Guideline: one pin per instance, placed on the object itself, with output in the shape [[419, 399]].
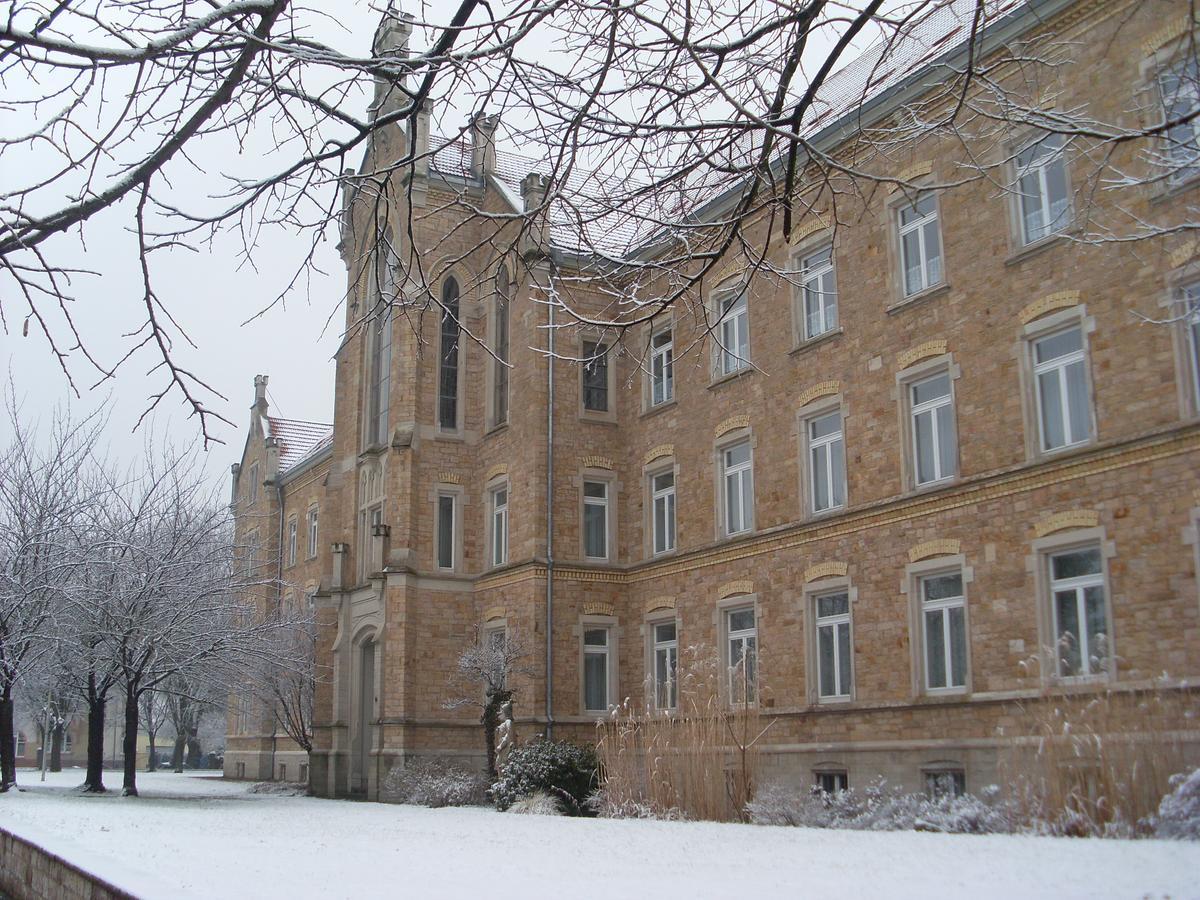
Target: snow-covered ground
[[199, 836]]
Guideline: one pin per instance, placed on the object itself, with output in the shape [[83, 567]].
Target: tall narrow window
[[446, 527], [833, 646], [734, 332], [595, 519], [499, 526], [820, 293], [595, 669], [662, 367], [666, 655], [1042, 188], [495, 639], [1080, 616], [742, 639], [595, 376], [448, 364], [252, 484], [944, 619], [920, 245], [1180, 85], [738, 488], [379, 370], [827, 461], [935, 446], [20, 744], [662, 498], [500, 348], [313, 517], [292, 540], [1191, 299], [1059, 367]]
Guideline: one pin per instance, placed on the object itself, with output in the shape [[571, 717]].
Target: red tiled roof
[[298, 440]]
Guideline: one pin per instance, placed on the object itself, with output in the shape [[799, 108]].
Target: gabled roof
[[299, 441]]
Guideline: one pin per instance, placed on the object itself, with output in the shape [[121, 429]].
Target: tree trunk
[[56, 748], [491, 718], [8, 741], [129, 745], [193, 750], [177, 754], [94, 782], [152, 763]]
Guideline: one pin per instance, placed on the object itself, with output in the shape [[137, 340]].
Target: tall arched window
[[500, 324], [448, 366], [379, 345]]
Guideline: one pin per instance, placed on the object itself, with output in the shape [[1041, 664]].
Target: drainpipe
[[550, 513], [278, 604]]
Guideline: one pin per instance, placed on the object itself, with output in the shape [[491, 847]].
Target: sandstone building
[[940, 472]]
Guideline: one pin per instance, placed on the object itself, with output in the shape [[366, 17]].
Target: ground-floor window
[[945, 782], [831, 781]]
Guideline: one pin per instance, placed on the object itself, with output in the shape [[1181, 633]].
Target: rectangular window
[[944, 624], [595, 669], [445, 531], [831, 782], [833, 646], [1080, 614], [1191, 298], [662, 498], [920, 245], [495, 639], [595, 377], [945, 783], [738, 488], [742, 635], [1060, 373], [292, 541], [827, 462], [666, 654], [820, 293], [734, 333], [20, 744], [500, 322], [499, 526], [595, 519], [312, 532], [662, 367], [1180, 86], [448, 362], [935, 446], [1042, 188]]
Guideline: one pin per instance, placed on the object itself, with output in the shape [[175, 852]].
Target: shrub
[[1179, 813], [430, 783], [538, 804], [561, 769]]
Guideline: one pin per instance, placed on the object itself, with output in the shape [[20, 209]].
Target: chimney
[[260, 394], [391, 40], [235, 470], [534, 187], [420, 141], [483, 145]]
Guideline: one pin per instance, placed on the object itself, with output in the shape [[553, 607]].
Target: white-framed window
[[920, 244], [935, 444], [595, 377], [1080, 612], [20, 744], [313, 530], [818, 289], [665, 660], [68, 742], [370, 515], [831, 781], [662, 367], [595, 519], [733, 331], [292, 541], [834, 654], [500, 341], [499, 514], [1190, 311], [662, 511], [944, 782], [741, 642], [826, 461], [1061, 389], [944, 631], [1180, 90], [1043, 193], [737, 484], [596, 668], [448, 357], [447, 528]]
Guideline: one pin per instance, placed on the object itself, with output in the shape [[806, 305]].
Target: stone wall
[[27, 872]]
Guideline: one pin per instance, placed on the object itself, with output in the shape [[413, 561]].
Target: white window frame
[[605, 651], [1180, 172], [919, 226], [912, 585], [1078, 584], [1038, 564], [836, 622], [662, 367], [931, 408], [732, 331], [810, 275], [943, 607], [744, 473], [670, 647], [839, 775], [293, 540], [604, 504], [498, 530], [668, 497], [1039, 166], [314, 519], [824, 445], [590, 358], [1059, 364], [743, 638]]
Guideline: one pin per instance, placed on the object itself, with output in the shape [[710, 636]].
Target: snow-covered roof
[[299, 441], [595, 212]]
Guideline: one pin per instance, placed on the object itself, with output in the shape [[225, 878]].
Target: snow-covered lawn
[[199, 836]]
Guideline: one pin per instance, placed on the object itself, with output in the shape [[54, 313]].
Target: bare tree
[[153, 715], [188, 700], [484, 679], [287, 684], [671, 140]]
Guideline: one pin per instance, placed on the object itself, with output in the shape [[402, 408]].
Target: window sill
[[722, 380], [1061, 452], [597, 418], [661, 407], [1037, 248], [816, 341], [1172, 190], [912, 300], [452, 437], [810, 516], [373, 451], [495, 429], [931, 486], [663, 556]]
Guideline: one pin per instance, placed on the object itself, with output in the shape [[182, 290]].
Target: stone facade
[[394, 616]]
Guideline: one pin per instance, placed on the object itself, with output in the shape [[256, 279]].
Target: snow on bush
[[605, 804], [280, 788], [878, 808], [538, 804], [431, 783], [559, 768], [1179, 813]]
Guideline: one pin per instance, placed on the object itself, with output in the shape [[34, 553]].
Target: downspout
[[278, 604], [550, 510]]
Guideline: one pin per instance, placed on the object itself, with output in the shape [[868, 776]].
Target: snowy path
[[196, 836]]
